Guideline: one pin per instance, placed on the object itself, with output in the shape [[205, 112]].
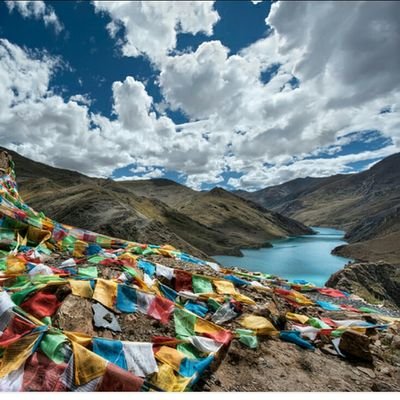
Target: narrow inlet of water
[[301, 257]]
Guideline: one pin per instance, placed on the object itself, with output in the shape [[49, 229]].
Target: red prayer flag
[[15, 330], [331, 292], [43, 375], [183, 281], [41, 305], [161, 309], [117, 379], [222, 336]]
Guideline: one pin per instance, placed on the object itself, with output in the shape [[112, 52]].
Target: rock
[[355, 345], [387, 339], [385, 371], [328, 350], [383, 387], [367, 371], [395, 342], [68, 317], [374, 282]]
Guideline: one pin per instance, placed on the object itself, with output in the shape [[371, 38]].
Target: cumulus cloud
[[274, 121], [142, 173], [42, 125], [38, 10], [262, 176], [335, 70], [203, 82], [151, 27], [81, 99]]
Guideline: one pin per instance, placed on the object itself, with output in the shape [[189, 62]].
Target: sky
[[237, 94]]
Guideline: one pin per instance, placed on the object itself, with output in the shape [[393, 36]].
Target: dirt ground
[[284, 367]]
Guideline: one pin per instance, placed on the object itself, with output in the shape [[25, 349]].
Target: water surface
[[301, 257]]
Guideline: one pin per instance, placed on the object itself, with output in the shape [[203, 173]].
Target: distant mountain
[[365, 204], [240, 220], [155, 211]]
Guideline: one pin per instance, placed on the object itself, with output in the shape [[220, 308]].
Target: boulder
[[355, 345], [75, 314]]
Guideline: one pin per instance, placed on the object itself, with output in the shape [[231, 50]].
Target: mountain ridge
[[120, 209], [365, 204]]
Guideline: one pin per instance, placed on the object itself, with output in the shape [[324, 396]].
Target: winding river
[[301, 257]]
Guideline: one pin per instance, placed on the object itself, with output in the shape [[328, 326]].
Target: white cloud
[[151, 27], [344, 56], [147, 173], [42, 125], [261, 176], [81, 99], [270, 123], [132, 104], [38, 10], [207, 82]]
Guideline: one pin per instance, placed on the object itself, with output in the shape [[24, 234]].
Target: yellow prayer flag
[[81, 288], [170, 356], [224, 287], [258, 324], [129, 257], [243, 299], [166, 380], [79, 249], [87, 365], [204, 326], [105, 292], [81, 338], [17, 353], [37, 235], [14, 265], [297, 317], [301, 299]]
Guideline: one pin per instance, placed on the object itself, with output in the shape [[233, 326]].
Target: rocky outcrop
[[374, 282]]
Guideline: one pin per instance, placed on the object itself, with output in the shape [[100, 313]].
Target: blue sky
[[231, 94]]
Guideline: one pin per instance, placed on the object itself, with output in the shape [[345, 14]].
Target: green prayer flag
[[19, 297], [19, 282], [44, 279], [213, 304], [317, 323], [184, 323], [47, 320], [337, 333], [136, 250], [130, 271], [201, 285], [52, 346], [88, 272], [7, 234], [367, 310], [147, 252], [96, 259], [248, 338], [43, 249], [189, 350]]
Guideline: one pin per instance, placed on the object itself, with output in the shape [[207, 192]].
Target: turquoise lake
[[301, 257]]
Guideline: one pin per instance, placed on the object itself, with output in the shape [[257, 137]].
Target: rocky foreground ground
[[81, 311], [370, 360]]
